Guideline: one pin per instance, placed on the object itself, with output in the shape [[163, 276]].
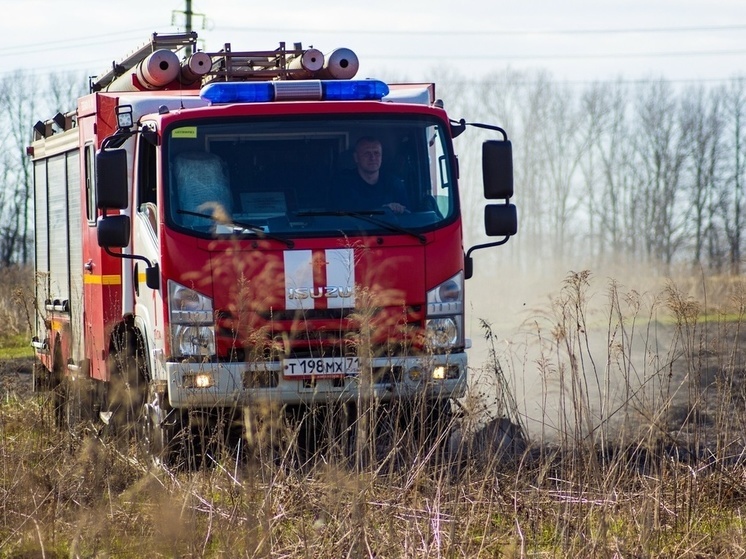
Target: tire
[[125, 400], [128, 386], [59, 390], [427, 422], [41, 378], [60, 404], [73, 404], [160, 431]]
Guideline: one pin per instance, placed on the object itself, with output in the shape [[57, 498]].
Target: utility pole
[[188, 17], [188, 14]]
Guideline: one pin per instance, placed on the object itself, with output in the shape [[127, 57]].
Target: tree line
[[647, 171], [26, 99]]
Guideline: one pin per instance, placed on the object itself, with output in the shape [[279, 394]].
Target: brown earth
[[708, 386], [16, 377], [698, 395]]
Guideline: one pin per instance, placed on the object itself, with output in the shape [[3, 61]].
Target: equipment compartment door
[[102, 276]]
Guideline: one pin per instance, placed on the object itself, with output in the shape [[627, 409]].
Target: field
[[614, 429]]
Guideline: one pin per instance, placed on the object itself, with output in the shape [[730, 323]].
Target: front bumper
[[242, 384]]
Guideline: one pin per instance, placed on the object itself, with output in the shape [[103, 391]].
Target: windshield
[[309, 176]]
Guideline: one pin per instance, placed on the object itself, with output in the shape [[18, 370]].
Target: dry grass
[[638, 453]]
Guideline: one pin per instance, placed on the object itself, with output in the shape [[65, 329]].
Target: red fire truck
[[198, 248]]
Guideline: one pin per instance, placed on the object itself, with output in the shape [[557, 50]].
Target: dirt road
[[626, 363], [16, 376]]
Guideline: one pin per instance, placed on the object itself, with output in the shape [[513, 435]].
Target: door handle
[[136, 280]]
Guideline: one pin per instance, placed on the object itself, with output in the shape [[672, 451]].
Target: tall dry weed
[[638, 452]]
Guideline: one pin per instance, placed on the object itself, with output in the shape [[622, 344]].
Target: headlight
[[193, 341], [443, 333], [445, 314], [447, 298], [192, 322]]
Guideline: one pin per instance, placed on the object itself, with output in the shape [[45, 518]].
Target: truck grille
[[317, 333]]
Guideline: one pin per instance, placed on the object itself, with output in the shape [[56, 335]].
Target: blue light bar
[[238, 92], [295, 90], [353, 90]]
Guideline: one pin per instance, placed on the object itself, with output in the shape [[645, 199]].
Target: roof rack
[[228, 65], [281, 63], [171, 41]]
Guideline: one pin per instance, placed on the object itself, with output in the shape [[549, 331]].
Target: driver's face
[[368, 156]]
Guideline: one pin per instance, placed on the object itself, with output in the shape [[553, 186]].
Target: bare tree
[[17, 186], [660, 156], [523, 100], [564, 143], [702, 127], [63, 91], [732, 204], [606, 171]]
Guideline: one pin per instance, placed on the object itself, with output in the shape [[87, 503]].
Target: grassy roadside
[[659, 472], [16, 347], [74, 495]]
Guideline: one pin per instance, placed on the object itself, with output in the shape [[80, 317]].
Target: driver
[[367, 187]]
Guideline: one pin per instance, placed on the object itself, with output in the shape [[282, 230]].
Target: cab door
[[146, 231]]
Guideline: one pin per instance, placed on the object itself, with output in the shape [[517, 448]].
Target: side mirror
[[111, 179], [497, 169], [113, 231], [500, 220], [468, 266], [153, 277]]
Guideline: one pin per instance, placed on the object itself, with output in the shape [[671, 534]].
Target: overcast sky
[[575, 40]]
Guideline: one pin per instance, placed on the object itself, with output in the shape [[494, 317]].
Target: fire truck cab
[[205, 239]]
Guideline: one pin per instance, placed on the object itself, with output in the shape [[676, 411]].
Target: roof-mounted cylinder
[[194, 67], [307, 64], [340, 64], [157, 70]]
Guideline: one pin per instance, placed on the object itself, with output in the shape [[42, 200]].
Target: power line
[[84, 66], [589, 56], [492, 82], [78, 42], [475, 56], [93, 40], [471, 32]]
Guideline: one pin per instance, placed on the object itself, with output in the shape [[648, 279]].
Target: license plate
[[321, 367]]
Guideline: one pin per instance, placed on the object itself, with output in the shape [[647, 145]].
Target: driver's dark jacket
[[353, 193]]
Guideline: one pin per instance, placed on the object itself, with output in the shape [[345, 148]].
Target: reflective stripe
[[102, 280], [340, 273], [298, 273]]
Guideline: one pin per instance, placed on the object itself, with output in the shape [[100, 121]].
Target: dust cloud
[[580, 354]]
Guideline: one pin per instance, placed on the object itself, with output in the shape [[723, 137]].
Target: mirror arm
[[458, 126], [487, 245], [130, 256], [468, 261], [151, 272]]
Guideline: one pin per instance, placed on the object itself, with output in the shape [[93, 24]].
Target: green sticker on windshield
[[189, 132]]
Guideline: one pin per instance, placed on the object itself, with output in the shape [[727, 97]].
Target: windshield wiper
[[366, 215], [256, 229]]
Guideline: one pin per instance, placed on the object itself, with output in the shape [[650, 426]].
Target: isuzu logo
[[319, 278], [326, 291]]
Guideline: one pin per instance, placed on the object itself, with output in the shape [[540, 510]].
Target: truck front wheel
[[160, 429], [128, 383]]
